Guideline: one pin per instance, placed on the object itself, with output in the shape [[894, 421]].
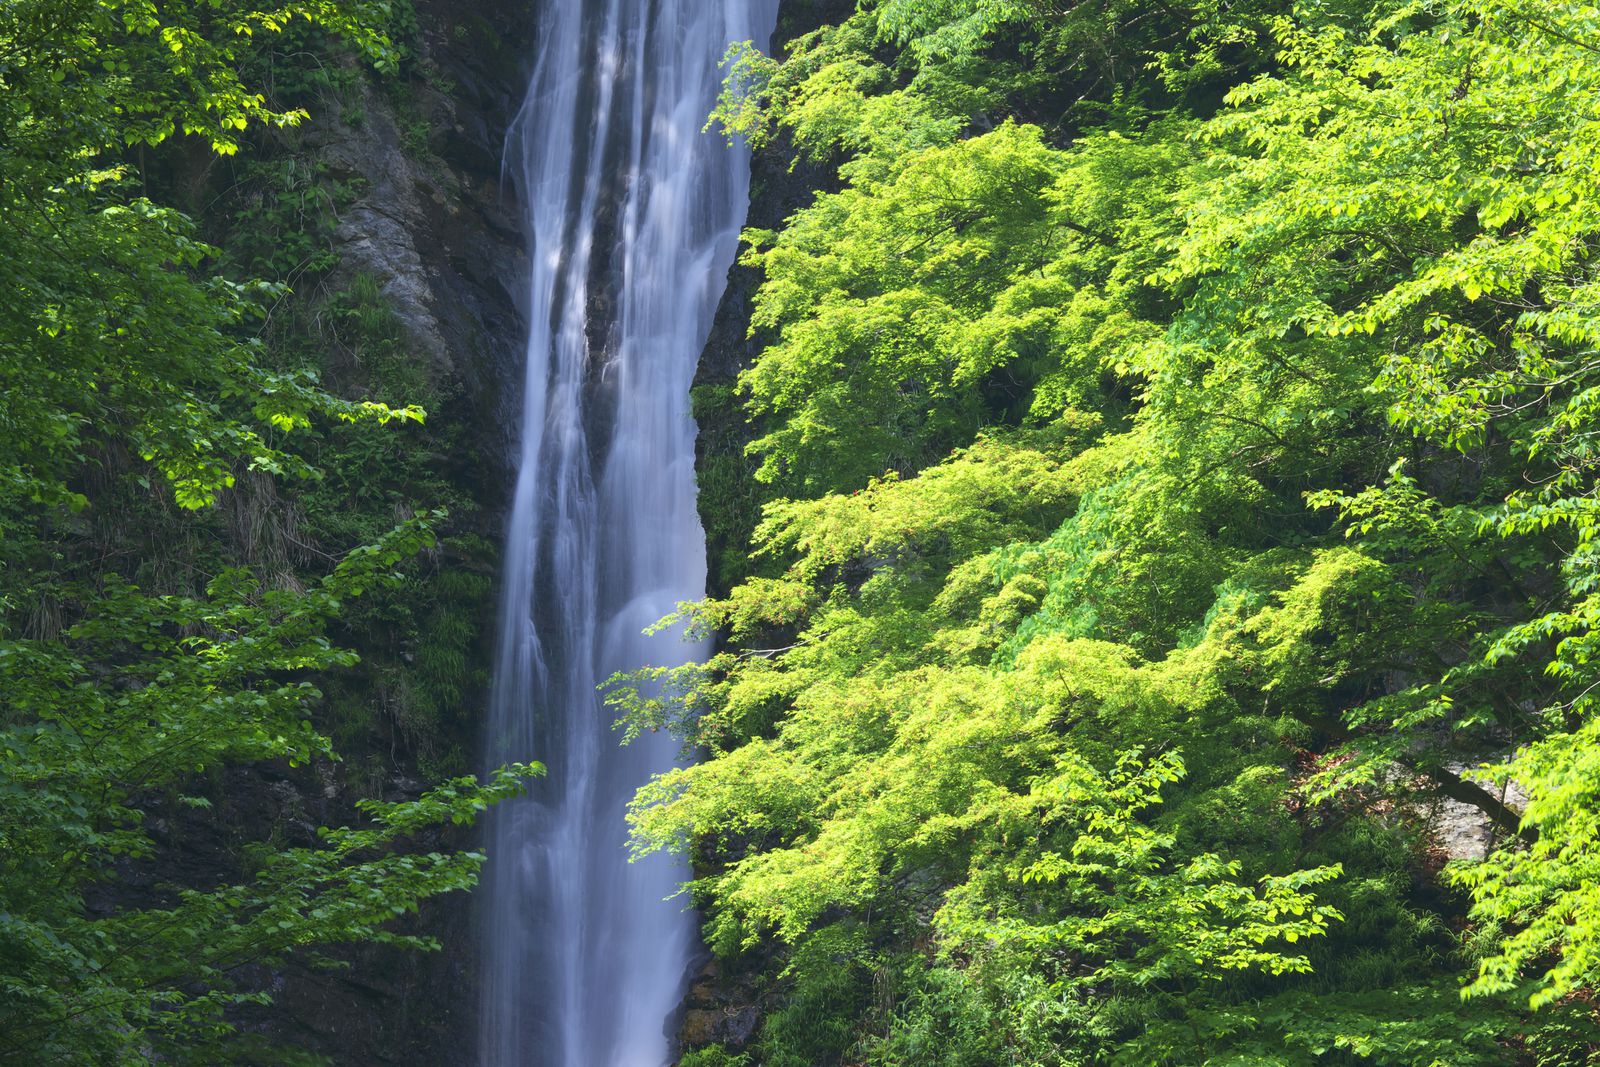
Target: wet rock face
[[780, 185], [433, 222], [374, 1004], [1464, 832], [721, 1009]]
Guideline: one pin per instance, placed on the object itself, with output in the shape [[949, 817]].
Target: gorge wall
[[386, 214]]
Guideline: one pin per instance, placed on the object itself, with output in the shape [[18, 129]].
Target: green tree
[[1240, 407], [126, 358]]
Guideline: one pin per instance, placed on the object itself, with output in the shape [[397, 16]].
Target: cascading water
[[633, 218]]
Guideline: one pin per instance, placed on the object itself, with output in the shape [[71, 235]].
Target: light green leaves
[[1320, 512]]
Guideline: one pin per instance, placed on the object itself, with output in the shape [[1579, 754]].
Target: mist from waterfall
[[633, 216]]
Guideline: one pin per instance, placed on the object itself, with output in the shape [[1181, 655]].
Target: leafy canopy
[[1179, 486]]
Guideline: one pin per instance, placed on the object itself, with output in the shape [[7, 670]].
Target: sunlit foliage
[[1179, 488]]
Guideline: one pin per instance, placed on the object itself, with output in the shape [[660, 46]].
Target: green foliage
[[1542, 898], [1234, 405], [111, 331], [946, 237], [136, 699], [713, 1057], [144, 409], [283, 227]]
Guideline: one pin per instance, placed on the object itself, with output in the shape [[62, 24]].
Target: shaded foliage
[[142, 397]]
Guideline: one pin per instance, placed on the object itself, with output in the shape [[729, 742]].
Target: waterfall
[[633, 217]]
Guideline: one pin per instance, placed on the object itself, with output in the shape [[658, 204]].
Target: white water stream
[[633, 217]]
